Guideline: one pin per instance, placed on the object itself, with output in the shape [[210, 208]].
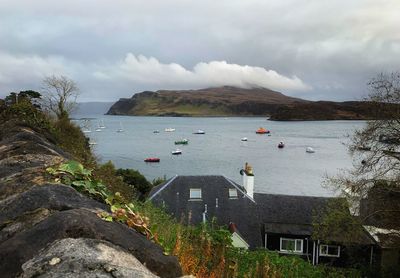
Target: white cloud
[[140, 70], [19, 72], [323, 42], [111, 80]]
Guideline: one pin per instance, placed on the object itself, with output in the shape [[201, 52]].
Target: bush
[[107, 173], [136, 180], [25, 113], [70, 138]]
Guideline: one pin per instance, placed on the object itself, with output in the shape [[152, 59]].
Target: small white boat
[[102, 125], [120, 128], [310, 150], [177, 151], [244, 139], [91, 143], [199, 132], [86, 131], [169, 129], [98, 129]]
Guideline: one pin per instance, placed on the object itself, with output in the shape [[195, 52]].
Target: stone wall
[[51, 230]]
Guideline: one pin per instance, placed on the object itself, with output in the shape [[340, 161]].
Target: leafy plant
[[74, 174]]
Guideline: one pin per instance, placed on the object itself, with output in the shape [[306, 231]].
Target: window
[[195, 193], [329, 250], [291, 245], [233, 193]]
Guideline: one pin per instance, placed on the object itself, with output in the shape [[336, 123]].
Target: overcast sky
[[315, 49]]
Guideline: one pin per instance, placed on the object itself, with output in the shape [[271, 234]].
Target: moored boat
[[152, 159], [120, 128], [310, 150], [262, 130], [244, 139], [177, 151], [182, 142], [156, 131], [281, 145], [102, 124], [169, 129], [199, 132]]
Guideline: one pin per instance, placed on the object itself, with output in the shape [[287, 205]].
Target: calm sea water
[[221, 152]]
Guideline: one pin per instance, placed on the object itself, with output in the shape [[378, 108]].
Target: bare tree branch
[[60, 95]]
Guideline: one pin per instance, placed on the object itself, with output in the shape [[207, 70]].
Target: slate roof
[[174, 195], [289, 209]]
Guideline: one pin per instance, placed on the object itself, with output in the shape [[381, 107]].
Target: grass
[[158, 106]]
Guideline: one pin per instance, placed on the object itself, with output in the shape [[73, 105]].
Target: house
[[276, 222], [195, 199], [380, 213]]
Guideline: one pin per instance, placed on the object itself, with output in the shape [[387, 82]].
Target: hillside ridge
[[234, 101]]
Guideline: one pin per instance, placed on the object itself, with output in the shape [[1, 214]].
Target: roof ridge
[[163, 187], [238, 188], [288, 195]]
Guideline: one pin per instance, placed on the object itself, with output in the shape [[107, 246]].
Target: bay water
[[220, 150]]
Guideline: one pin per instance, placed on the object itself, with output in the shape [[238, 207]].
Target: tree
[[372, 187], [60, 95], [135, 179], [11, 98]]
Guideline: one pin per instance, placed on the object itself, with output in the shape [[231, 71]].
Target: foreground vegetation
[[203, 251]]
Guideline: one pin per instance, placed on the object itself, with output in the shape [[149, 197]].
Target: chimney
[[248, 179]]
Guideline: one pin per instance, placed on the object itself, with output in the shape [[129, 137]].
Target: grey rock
[[81, 223], [84, 258], [50, 196]]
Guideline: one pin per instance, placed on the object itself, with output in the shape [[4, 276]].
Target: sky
[[313, 49]]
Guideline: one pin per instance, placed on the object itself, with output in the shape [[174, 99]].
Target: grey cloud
[[332, 46]]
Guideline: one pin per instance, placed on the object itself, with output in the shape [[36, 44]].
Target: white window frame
[[233, 196], [295, 245], [327, 249], [195, 190]]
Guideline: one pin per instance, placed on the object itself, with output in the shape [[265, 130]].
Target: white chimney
[[248, 179]]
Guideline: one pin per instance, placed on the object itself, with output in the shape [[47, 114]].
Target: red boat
[[152, 159]]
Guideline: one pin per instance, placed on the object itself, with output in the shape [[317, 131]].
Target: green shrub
[[136, 180], [25, 113], [70, 138], [108, 174]]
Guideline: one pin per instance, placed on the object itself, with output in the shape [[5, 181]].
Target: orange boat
[[262, 130]]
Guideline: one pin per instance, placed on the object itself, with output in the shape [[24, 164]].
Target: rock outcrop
[[84, 258], [51, 230]]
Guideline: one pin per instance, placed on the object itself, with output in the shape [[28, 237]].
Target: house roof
[[289, 209], [271, 213], [174, 195], [386, 238], [290, 214], [290, 229]]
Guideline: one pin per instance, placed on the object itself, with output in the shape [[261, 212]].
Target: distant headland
[[232, 101]]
